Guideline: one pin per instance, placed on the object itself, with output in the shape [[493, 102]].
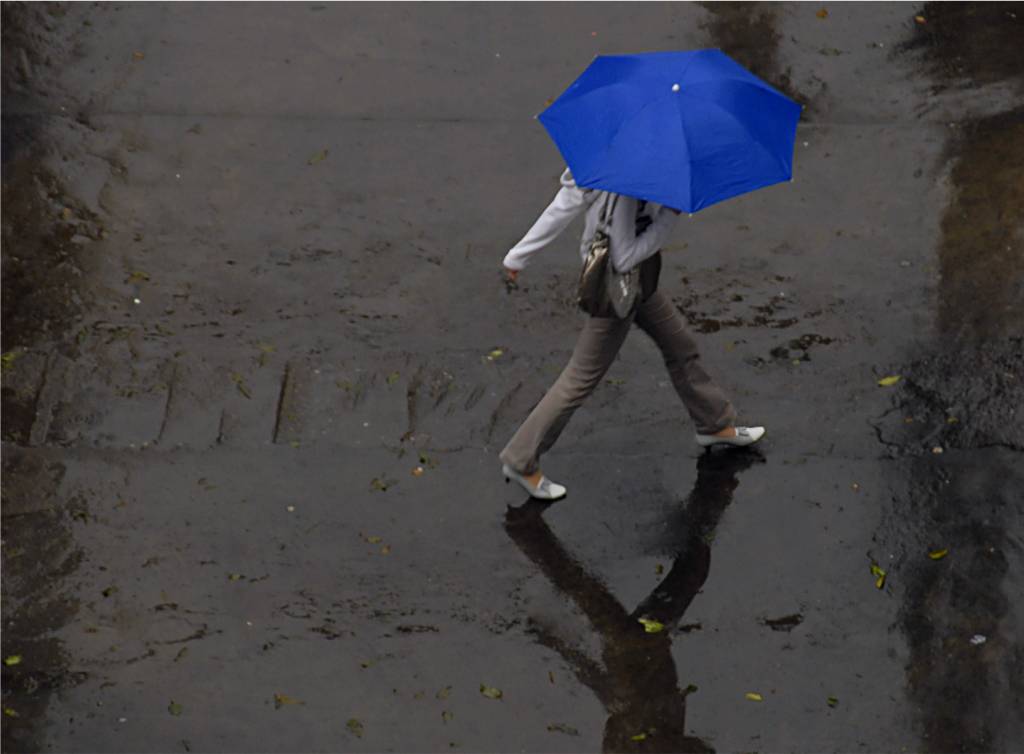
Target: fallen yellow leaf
[[753, 696], [651, 626], [8, 359], [938, 554], [876, 571], [490, 692], [889, 381]]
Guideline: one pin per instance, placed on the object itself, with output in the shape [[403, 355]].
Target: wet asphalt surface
[[253, 394]]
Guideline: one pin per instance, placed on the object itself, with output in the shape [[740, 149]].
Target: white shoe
[[744, 436], [546, 490]]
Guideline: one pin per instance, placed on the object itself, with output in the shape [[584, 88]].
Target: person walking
[[636, 230]]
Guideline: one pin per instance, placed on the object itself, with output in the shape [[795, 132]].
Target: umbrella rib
[[741, 124], [622, 123], [686, 143]]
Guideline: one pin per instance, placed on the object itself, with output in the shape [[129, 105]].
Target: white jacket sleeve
[[629, 249], [568, 204]]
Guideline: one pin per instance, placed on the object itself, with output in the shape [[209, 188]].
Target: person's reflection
[[637, 684]]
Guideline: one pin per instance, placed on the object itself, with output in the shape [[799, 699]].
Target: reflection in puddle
[[636, 679]]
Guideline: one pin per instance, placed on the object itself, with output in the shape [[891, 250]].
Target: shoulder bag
[[603, 292]]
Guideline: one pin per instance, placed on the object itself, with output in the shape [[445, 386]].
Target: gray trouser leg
[[598, 344], [707, 405]]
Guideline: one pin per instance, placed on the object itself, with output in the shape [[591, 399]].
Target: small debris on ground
[[490, 692], [355, 727], [877, 572]]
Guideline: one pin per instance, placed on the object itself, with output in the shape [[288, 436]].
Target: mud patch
[[980, 42], [799, 349], [43, 236], [961, 624], [713, 310], [39, 556], [956, 423], [956, 414], [981, 256], [745, 31], [966, 398], [44, 231]]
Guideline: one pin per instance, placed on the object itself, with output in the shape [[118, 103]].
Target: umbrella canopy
[[683, 129]]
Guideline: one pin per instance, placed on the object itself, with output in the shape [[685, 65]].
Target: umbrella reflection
[[636, 680]]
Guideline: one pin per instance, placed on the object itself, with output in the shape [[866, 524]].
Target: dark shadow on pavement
[[638, 683]]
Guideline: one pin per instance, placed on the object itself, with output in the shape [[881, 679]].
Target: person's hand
[[510, 277]]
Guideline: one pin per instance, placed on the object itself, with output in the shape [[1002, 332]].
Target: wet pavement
[[258, 363]]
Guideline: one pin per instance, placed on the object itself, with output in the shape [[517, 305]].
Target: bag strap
[[605, 219]]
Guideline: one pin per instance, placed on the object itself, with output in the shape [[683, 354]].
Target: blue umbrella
[[683, 129]]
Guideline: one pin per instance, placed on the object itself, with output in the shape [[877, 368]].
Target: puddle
[[636, 679]]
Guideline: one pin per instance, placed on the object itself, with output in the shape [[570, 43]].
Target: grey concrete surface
[[252, 394]]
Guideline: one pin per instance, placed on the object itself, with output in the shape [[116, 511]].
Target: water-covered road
[[259, 360]]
